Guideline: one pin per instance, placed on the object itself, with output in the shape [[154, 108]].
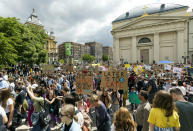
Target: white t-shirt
[[9, 102], [80, 118], [5, 77], [4, 84], [2, 111]]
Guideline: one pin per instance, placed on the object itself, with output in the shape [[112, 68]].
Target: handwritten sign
[[167, 67], [114, 79], [177, 70], [84, 80]]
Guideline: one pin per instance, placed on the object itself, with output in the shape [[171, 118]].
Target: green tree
[[8, 55], [105, 58], [61, 61], [38, 40], [10, 39], [21, 43], [88, 58]]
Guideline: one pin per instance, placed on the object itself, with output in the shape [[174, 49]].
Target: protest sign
[[84, 82], [177, 70], [147, 67], [114, 79], [127, 65], [167, 67]]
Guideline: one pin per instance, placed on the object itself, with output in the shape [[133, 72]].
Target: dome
[[151, 9]]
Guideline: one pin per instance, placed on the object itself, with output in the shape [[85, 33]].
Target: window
[[144, 40]]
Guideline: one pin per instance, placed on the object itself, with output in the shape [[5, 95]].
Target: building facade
[[52, 48], [77, 50], [107, 50], [51, 45], [96, 49], [154, 33]]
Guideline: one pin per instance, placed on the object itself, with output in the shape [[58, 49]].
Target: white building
[[153, 33]]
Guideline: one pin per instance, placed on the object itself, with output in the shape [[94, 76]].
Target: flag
[[68, 49]]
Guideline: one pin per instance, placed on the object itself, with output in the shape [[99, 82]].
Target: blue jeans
[[106, 126]]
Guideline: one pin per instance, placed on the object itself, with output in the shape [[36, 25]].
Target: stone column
[[134, 49], [180, 45], [116, 50], [156, 47]]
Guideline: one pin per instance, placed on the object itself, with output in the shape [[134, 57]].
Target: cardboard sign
[[48, 68], [114, 79], [84, 80]]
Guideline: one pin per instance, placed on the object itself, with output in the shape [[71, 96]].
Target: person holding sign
[[106, 99]]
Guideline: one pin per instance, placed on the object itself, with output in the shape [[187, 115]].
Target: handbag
[[2, 126], [44, 116]]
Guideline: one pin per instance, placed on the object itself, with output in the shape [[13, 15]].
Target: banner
[[114, 79], [68, 48], [84, 80]]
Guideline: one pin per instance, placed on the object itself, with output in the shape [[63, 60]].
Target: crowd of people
[[162, 101]]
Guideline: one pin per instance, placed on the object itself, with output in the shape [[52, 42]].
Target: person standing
[[103, 121], [69, 118], [123, 121], [152, 88], [163, 116], [185, 109], [8, 104], [38, 104], [142, 112]]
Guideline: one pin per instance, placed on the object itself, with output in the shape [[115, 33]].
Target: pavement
[[25, 127]]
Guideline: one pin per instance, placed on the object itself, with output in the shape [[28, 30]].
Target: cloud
[[76, 20]]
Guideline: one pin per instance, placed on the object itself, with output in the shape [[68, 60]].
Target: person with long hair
[[54, 106], [8, 104], [163, 116], [123, 121], [38, 104]]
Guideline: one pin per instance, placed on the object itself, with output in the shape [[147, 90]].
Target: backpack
[[2, 126], [44, 116]]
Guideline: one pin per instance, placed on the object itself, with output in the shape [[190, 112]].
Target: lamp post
[[185, 58]]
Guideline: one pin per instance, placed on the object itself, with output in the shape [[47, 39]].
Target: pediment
[[148, 21]]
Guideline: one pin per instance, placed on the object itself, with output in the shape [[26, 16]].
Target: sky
[[77, 20]]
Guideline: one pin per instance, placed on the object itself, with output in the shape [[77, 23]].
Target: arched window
[[144, 40]]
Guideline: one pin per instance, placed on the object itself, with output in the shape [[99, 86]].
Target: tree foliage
[[21, 43], [61, 61], [105, 58], [88, 58]]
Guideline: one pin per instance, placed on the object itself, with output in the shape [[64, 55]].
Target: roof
[[33, 19], [151, 9]]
